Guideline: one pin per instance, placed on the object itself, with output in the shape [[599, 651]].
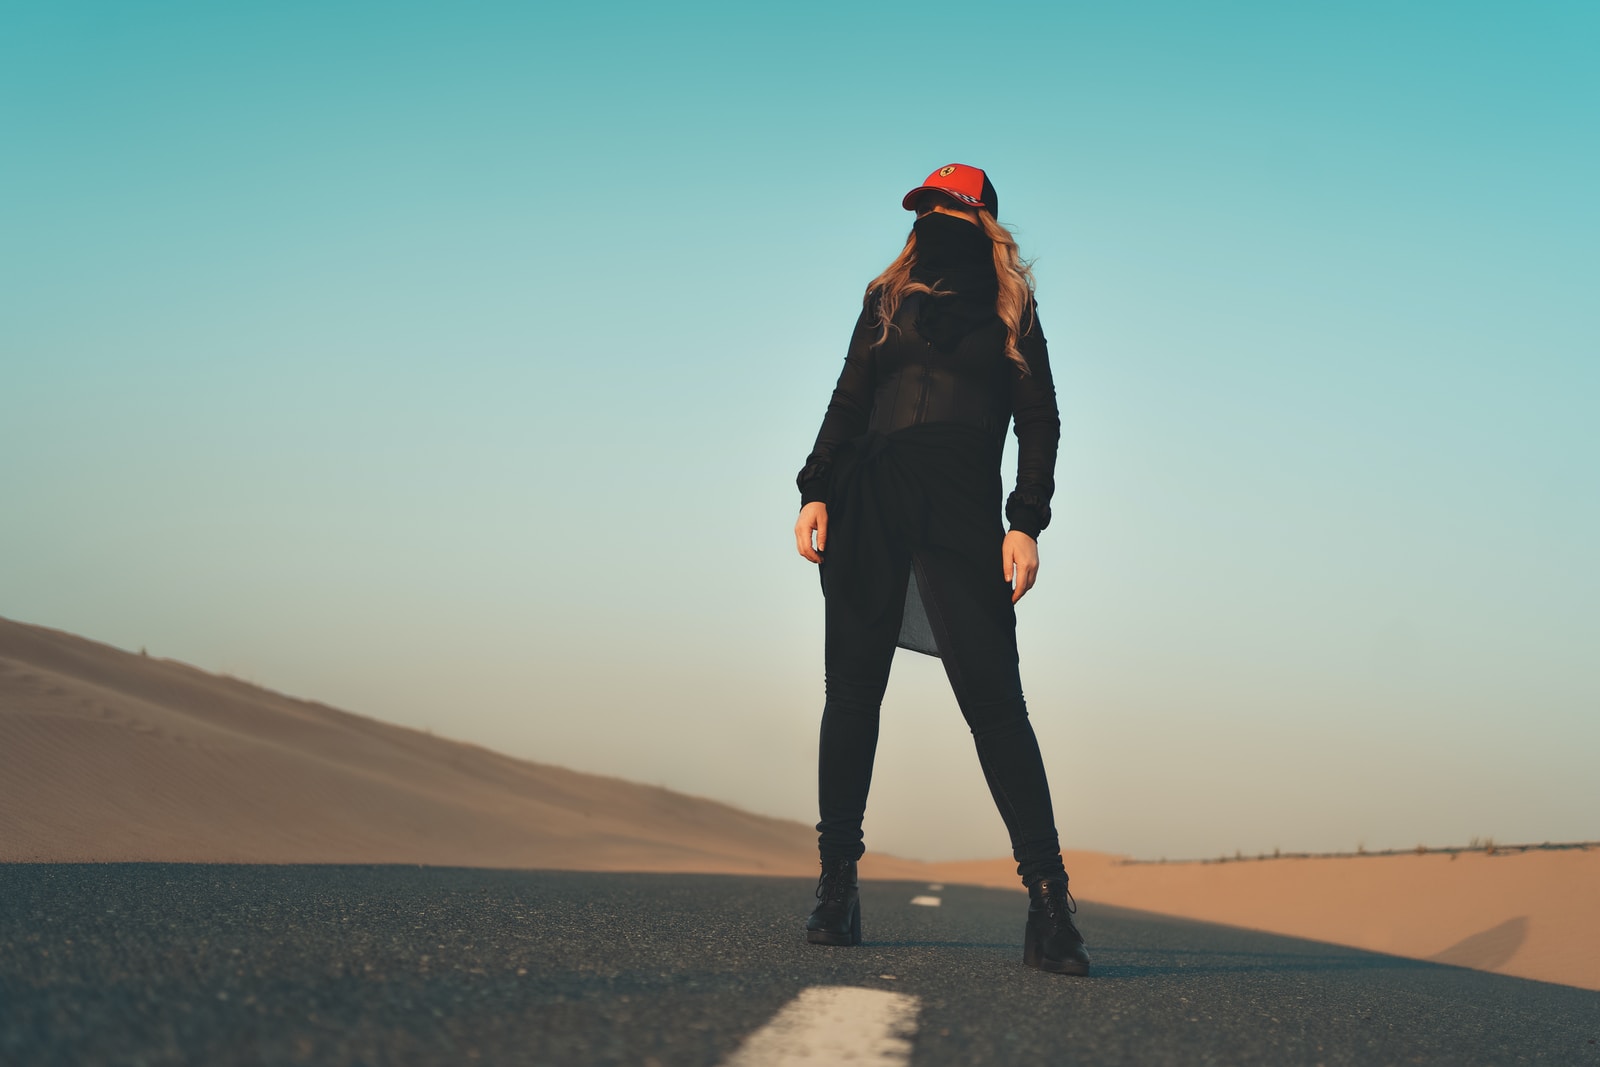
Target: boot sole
[[1064, 967], [825, 937]]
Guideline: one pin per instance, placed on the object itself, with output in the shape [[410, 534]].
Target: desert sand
[[107, 755], [1531, 914]]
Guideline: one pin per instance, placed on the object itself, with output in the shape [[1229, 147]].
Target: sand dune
[[107, 755], [1532, 914]]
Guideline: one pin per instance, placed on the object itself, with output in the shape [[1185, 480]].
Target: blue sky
[[452, 364]]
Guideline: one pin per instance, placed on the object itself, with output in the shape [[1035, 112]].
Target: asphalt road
[[159, 963]]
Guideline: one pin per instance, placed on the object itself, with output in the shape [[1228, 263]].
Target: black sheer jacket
[[910, 379]]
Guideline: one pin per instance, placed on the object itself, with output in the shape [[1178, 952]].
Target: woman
[[900, 507]]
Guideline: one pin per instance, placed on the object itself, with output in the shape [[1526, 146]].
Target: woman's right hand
[[813, 517]]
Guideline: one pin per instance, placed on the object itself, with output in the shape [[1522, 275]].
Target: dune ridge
[[108, 755]]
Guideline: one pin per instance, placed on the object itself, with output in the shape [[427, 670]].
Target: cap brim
[[908, 201]]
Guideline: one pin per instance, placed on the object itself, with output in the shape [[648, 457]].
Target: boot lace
[[834, 884], [1058, 899]]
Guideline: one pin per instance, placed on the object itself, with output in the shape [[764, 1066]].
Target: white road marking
[[926, 902], [834, 1025], [936, 886]]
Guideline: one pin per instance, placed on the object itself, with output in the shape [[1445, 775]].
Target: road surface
[[162, 963]]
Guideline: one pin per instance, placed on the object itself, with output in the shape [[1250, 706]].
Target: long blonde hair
[[1014, 273]]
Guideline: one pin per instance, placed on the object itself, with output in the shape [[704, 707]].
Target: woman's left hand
[[1019, 557]]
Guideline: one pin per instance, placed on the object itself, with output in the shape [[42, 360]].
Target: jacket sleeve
[[1036, 421], [848, 409]]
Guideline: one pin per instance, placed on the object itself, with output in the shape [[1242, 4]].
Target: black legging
[[974, 623]]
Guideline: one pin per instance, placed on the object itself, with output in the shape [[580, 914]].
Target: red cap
[[969, 185]]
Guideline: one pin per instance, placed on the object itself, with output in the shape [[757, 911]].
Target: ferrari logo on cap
[[946, 172]]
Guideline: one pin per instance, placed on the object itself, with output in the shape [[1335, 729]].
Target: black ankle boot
[[836, 920], [1051, 942]]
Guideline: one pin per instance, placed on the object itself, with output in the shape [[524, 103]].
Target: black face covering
[[954, 254]]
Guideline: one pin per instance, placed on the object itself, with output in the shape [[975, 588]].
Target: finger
[[822, 532], [1006, 563], [802, 542], [1024, 581]]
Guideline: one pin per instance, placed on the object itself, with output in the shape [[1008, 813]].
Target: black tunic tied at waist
[[929, 483]]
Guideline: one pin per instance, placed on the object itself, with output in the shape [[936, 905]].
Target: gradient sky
[[452, 364]]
